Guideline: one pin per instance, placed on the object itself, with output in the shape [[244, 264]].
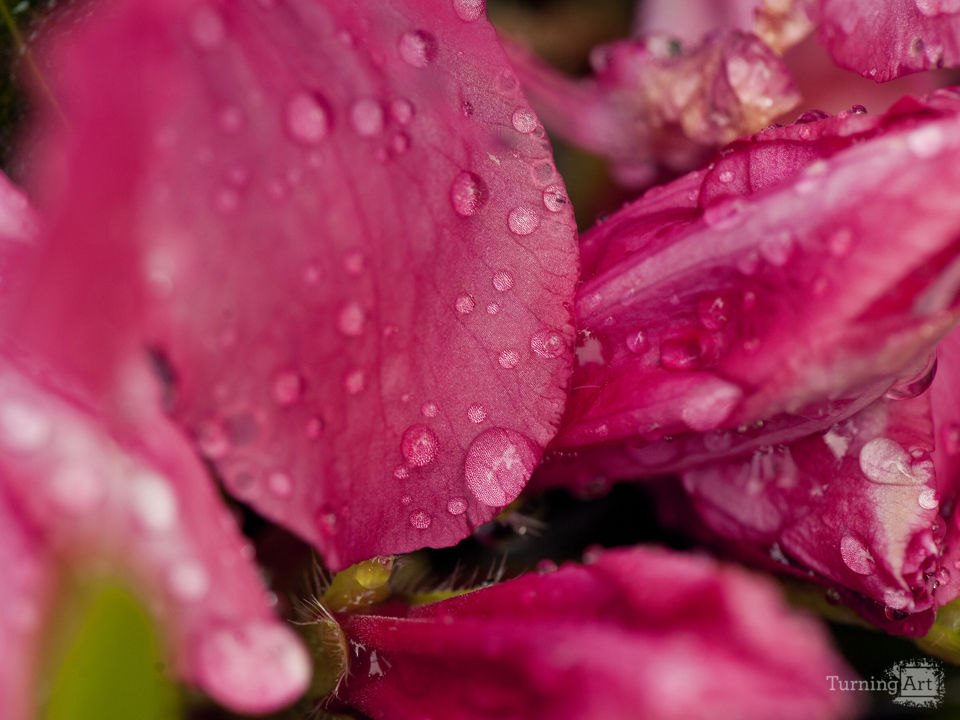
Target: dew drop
[[840, 241], [400, 143], [465, 304], [499, 462], [856, 556], [315, 427], [420, 520], [327, 521], [896, 599], [154, 503], [417, 48], [23, 428], [189, 581], [547, 344], [502, 281], [885, 461], [366, 116], [306, 118], [928, 499], [637, 342], [287, 388], [213, 441], [714, 312], [401, 110], [457, 506], [406, 499], [725, 177], [492, 308], [508, 359], [206, 28], [469, 10], [429, 409], [477, 413], [554, 198], [524, 121], [916, 384], [681, 353], [401, 472], [777, 248], [226, 201], [351, 319], [355, 382], [951, 439], [419, 445], [468, 193], [280, 484], [523, 220]]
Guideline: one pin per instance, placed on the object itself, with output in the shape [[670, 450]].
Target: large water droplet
[[417, 48], [306, 118], [419, 445], [477, 413], [554, 198], [351, 319], [469, 10], [856, 556], [465, 304], [547, 344], [468, 193], [917, 383], [499, 462], [508, 359], [885, 461], [429, 409], [523, 220], [366, 116], [928, 499], [401, 110], [287, 388], [524, 121], [420, 520]]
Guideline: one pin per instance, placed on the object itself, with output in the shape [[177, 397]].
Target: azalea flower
[[319, 252]]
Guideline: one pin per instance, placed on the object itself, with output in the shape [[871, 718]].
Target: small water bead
[[429, 409], [327, 521], [477, 413], [928, 499], [951, 439], [287, 388], [777, 248], [547, 344], [469, 10], [499, 462], [406, 499], [401, 110], [280, 484], [916, 384], [896, 599], [468, 193], [306, 118], [885, 461], [23, 428], [420, 520], [417, 48], [508, 359], [523, 220], [681, 353], [366, 116], [524, 121], [457, 506], [213, 440], [465, 304], [354, 263], [502, 281], [401, 472], [206, 28], [726, 176], [188, 580], [400, 143], [419, 445], [856, 556], [840, 242], [154, 502], [637, 342], [355, 382], [492, 308], [315, 427], [351, 320], [555, 198], [714, 311]]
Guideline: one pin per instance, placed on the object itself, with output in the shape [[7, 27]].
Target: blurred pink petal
[[340, 229], [810, 269], [148, 506], [651, 101], [640, 633], [884, 40]]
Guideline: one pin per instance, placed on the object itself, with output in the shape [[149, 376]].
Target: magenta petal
[[884, 40], [350, 244], [603, 640], [150, 507], [815, 272]]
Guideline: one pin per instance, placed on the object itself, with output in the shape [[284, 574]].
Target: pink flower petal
[[338, 226], [26, 594], [640, 633], [149, 506], [817, 270], [652, 102], [885, 40]]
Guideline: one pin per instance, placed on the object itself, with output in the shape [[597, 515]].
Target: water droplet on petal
[[401, 110], [523, 220], [777, 248], [355, 382], [420, 520], [554, 198], [468, 193], [681, 353], [23, 429], [406, 500], [499, 462], [492, 308], [280, 484], [502, 280], [154, 503], [725, 177], [287, 388], [926, 141], [188, 580], [896, 599], [419, 445], [917, 383], [465, 304], [206, 28], [840, 241], [885, 461], [547, 344], [477, 413], [429, 409], [400, 143], [315, 427], [524, 121], [714, 312], [710, 405], [401, 472], [469, 10], [457, 506], [928, 499], [508, 359], [856, 556], [637, 342], [351, 319], [366, 116], [306, 118], [417, 48]]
